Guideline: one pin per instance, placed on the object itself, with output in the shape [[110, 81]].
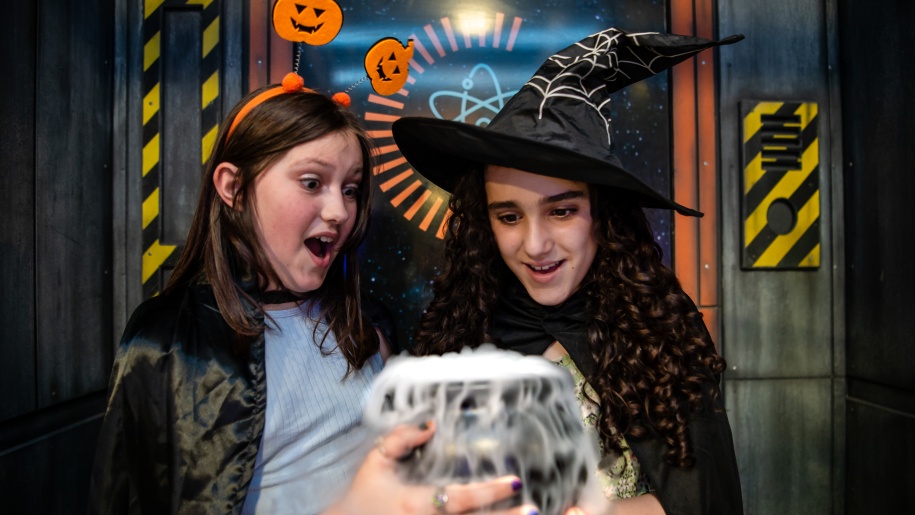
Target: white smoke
[[497, 412]]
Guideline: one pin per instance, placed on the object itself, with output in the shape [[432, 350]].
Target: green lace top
[[620, 475]]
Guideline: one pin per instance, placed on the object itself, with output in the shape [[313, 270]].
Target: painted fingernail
[[533, 512], [516, 485], [424, 425]]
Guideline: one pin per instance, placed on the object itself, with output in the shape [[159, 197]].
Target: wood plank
[[73, 199], [56, 477], [18, 29]]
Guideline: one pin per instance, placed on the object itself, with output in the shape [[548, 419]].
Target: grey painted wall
[[784, 385]]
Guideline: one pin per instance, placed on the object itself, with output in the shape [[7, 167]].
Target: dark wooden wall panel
[[71, 104], [877, 47], [180, 122], [17, 208], [50, 475], [73, 198], [884, 461], [877, 52]]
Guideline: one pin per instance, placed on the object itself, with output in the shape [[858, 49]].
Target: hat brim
[[444, 150]]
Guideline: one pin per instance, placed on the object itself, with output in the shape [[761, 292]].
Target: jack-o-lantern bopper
[[387, 64], [317, 22], [313, 22]]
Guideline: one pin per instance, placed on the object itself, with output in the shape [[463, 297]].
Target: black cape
[[185, 412], [711, 486]]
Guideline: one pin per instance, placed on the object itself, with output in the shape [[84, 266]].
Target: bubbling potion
[[497, 412]]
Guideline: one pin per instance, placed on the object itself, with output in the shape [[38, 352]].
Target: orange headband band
[[292, 83]]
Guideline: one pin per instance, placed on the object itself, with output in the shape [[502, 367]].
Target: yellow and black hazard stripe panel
[[159, 256], [781, 188]]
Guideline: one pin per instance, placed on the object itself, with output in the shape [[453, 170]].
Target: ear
[[225, 178]]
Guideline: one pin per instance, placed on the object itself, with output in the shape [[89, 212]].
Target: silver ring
[[440, 499]]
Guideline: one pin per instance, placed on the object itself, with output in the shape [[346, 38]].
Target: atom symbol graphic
[[472, 109]]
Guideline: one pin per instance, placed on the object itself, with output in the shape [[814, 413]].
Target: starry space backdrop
[[470, 82]]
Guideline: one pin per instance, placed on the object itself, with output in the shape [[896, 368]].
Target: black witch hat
[[558, 124]]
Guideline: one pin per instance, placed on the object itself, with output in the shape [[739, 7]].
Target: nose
[[334, 209], [538, 241]]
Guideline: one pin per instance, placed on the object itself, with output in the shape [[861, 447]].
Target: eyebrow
[[309, 160], [559, 197]]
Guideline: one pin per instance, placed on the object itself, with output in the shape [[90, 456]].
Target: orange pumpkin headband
[[292, 83]]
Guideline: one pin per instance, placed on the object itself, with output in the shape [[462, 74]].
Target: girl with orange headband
[[239, 389]]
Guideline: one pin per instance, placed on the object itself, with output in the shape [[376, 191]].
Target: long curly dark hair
[[654, 357]]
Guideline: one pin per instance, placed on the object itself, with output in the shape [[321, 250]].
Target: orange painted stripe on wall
[[686, 229]]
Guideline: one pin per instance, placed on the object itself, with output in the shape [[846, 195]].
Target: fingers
[[403, 439], [461, 498], [524, 509]]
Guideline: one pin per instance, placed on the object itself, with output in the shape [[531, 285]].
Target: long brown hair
[[654, 357], [222, 246]]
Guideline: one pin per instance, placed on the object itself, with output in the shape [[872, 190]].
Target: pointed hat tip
[[731, 39]]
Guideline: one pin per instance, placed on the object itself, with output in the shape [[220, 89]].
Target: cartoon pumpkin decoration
[[314, 22], [387, 64]]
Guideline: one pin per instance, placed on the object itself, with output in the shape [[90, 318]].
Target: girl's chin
[[304, 284], [549, 296]]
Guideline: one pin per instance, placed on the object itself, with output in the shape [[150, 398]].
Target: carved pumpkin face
[[314, 22], [387, 63]]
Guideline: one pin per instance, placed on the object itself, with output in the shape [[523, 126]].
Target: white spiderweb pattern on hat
[[585, 71]]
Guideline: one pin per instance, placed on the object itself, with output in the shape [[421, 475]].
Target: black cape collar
[[521, 324]]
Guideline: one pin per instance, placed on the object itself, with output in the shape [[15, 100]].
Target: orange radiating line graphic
[[497, 34], [446, 24], [394, 181], [416, 205], [378, 117], [418, 46], [516, 26], [416, 183], [435, 42], [384, 167], [380, 100], [386, 149], [440, 234], [427, 220], [396, 201]]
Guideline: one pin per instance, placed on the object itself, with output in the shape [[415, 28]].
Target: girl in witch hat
[[548, 252]]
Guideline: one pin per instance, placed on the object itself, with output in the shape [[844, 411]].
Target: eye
[[563, 212], [351, 192], [508, 218], [311, 184]]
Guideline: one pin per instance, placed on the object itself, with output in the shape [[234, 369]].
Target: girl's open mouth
[[319, 246]]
